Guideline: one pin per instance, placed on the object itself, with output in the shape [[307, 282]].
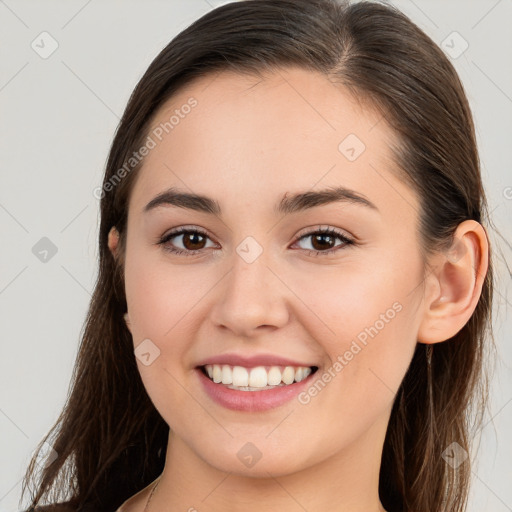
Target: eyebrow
[[297, 202]]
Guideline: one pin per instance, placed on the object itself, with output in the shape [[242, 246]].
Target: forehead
[[235, 136]]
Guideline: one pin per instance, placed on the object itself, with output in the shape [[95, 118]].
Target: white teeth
[[301, 373], [240, 376], [227, 374], [217, 373], [257, 378], [289, 375], [305, 373], [274, 376]]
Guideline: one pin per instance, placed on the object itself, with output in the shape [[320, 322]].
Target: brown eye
[[192, 241], [324, 241]]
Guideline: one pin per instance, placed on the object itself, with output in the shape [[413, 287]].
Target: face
[[331, 283]]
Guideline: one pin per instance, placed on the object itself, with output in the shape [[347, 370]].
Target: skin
[[247, 143]]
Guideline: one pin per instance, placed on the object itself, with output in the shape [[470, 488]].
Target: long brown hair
[[109, 438]]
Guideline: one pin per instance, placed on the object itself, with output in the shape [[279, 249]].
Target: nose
[[251, 298]]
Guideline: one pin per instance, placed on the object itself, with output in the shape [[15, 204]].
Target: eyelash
[[330, 231]]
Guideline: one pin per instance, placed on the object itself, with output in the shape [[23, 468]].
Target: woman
[[294, 284]]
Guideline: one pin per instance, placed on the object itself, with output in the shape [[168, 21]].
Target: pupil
[[191, 235], [322, 245]]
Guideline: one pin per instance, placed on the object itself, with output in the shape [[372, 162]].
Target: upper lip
[[251, 361]]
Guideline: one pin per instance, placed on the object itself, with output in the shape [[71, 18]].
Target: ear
[[127, 321], [113, 240], [455, 284]]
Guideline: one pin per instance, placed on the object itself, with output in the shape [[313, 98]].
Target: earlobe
[[456, 280], [127, 321], [113, 240]]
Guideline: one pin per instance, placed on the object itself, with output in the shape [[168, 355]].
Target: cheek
[[161, 300], [368, 357], [345, 300], [366, 319], [158, 294]]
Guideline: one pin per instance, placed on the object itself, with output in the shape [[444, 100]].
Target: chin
[[258, 459]]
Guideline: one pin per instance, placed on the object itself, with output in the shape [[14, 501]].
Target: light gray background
[[58, 116]]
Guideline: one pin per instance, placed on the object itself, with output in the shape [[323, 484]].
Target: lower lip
[[252, 401]]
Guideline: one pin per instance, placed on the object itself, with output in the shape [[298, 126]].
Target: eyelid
[[325, 227], [185, 228]]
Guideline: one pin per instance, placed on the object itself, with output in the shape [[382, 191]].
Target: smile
[[253, 389], [257, 378]]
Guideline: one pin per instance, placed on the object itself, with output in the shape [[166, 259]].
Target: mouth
[[256, 378]]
